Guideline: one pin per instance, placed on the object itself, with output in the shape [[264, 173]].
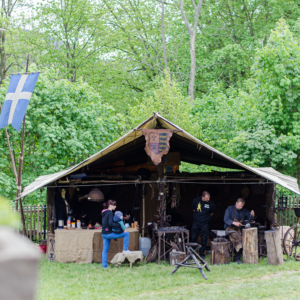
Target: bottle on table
[[73, 222]]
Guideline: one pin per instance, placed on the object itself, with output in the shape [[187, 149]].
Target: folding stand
[[195, 257]]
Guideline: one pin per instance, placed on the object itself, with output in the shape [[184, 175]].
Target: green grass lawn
[[153, 281]]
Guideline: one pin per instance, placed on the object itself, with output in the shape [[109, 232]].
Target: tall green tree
[[66, 34], [274, 139]]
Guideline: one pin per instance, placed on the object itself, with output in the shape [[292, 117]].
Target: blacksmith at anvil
[[203, 209], [233, 218]]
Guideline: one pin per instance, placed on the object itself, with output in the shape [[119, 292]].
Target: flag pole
[[11, 153], [21, 160]]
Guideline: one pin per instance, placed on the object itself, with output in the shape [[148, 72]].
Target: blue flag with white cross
[[17, 98]]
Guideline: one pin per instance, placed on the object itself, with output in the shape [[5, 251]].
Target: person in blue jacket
[[119, 226], [234, 216]]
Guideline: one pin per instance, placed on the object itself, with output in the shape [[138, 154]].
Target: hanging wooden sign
[[157, 143]]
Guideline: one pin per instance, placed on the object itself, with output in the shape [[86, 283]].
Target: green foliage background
[[105, 73]]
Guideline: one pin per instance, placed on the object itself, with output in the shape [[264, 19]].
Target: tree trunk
[[250, 246], [274, 250], [3, 57], [192, 32], [163, 34], [193, 66]]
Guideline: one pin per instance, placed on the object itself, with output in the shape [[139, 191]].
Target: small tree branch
[[197, 13], [184, 18], [163, 35], [194, 5]]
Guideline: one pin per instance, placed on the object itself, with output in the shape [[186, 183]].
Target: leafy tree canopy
[[65, 123]]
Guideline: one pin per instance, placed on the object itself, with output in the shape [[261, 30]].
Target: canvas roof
[[130, 148]]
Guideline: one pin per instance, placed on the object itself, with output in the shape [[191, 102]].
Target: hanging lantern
[[96, 195]]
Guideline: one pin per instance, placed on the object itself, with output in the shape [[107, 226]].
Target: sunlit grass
[[152, 281]]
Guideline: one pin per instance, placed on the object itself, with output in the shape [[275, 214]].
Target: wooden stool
[[192, 254]]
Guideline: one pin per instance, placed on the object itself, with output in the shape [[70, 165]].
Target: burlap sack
[[119, 258], [74, 245]]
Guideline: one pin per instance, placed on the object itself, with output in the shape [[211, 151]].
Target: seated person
[[129, 218], [119, 226], [234, 216], [84, 218]]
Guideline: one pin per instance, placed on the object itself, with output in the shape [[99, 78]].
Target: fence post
[[34, 216], [293, 213], [285, 217], [290, 211], [277, 211], [45, 209], [38, 223], [31, 222]]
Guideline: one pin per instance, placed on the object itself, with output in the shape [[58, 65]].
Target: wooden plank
[[31, 222], [290, 212], [37, 226]]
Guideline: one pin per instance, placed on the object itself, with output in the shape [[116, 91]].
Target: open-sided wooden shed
[[120, 172]]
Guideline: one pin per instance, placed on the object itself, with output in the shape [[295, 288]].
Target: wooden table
[[85, 246]]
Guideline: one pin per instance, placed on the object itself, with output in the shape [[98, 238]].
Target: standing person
[[108, 234], [234, 216], [203, 209]]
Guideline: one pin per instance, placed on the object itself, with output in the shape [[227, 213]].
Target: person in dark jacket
[[203, 209], [108, 234], [118, 222], [234, 216], [128, 218]]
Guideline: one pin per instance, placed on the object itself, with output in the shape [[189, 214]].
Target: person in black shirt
[[84, 218], [128, 217], [203, 209]]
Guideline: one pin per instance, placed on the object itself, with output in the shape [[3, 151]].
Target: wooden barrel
[[220, 253]]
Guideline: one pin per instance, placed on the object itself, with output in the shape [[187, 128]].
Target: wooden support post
[[250, 246], [161, 195], [274, 250], [21, 160], [144, 212]]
